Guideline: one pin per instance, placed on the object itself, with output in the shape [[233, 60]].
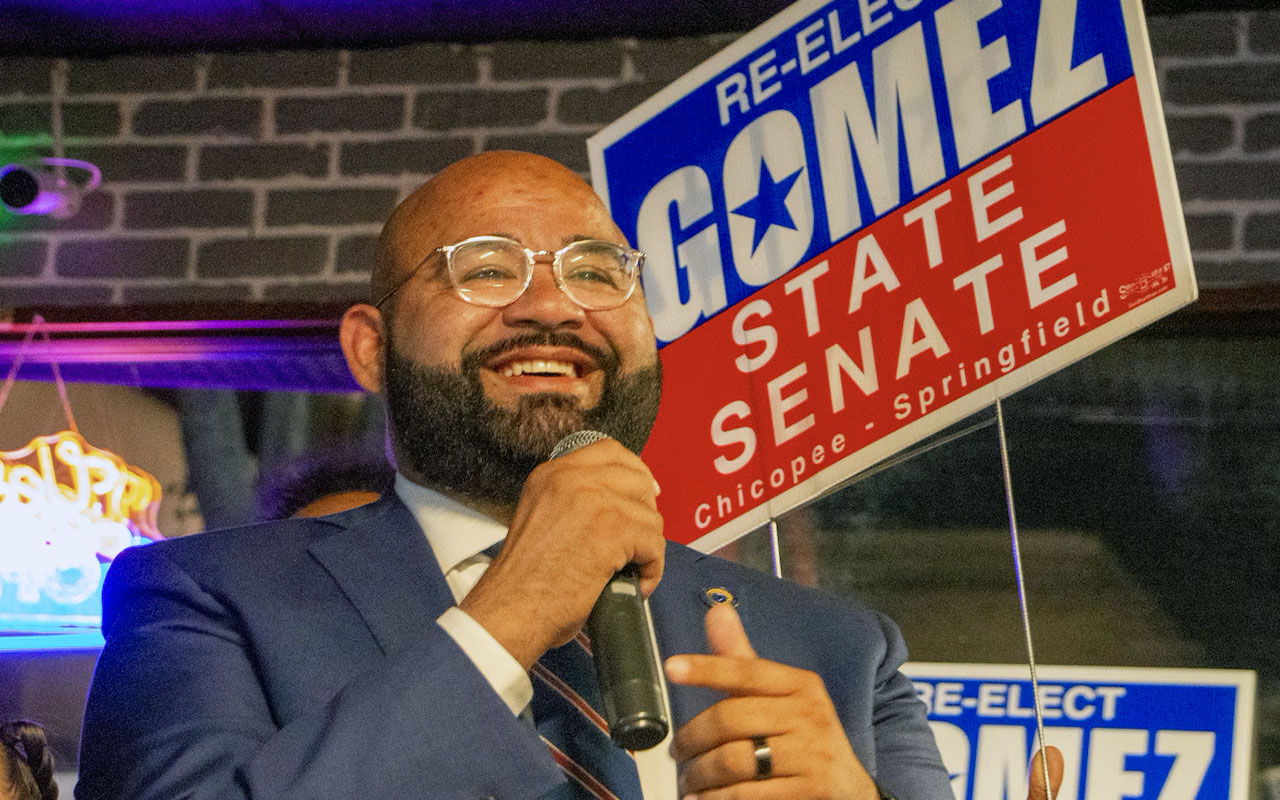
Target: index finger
[[725, 633], [735, 675]]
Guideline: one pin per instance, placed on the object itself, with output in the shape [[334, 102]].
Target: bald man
[[381, 653]]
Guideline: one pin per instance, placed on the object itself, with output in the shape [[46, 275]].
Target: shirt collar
[[454, 531]]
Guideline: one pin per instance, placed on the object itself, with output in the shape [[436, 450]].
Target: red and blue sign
[[868, 219], [1147, 734]]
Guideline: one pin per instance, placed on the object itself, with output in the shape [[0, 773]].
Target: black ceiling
[[96, 27]]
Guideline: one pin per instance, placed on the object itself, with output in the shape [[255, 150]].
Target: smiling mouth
[[542, 368], [551, 359]]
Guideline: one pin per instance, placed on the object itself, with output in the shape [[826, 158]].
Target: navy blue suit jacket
[[300, 659]]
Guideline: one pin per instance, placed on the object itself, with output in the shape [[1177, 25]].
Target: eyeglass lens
[[595, 275]]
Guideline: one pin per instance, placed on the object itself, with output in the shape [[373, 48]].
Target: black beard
[[457, 440]]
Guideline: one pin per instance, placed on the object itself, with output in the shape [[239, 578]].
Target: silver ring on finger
[[764, 758]]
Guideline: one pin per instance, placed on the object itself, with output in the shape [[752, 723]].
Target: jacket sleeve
[[907, 761], [178, 709]]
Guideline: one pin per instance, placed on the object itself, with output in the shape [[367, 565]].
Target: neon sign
[[67, 509]]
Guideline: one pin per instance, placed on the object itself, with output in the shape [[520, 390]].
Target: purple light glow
[[81, 27], [252, 355], [163, 325]]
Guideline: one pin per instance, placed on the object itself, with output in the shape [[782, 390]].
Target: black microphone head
[[575, 440]]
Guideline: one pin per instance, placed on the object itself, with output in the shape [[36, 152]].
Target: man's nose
[[543, 304]]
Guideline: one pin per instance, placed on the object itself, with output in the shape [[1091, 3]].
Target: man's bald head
[[430, 217], [466, 417]]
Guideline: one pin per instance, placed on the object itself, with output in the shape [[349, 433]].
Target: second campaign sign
[[867, 219], [1123, 732]]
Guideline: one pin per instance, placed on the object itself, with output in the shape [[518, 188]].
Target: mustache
[[606, 359]]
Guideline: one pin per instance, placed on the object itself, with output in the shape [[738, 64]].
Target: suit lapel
[[678, 612], [380, 559], [382, 562]]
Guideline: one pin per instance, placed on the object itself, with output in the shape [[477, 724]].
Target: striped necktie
[[567, 712]]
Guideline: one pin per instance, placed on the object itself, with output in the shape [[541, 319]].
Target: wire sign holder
[[1007, 474]]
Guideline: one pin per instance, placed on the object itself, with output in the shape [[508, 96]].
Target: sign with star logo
[[768, 207], [867, 219]]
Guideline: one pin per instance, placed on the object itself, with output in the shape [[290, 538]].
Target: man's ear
[[362, 338]]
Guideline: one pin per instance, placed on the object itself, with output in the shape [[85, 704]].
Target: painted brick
[[1210, 231], [346, 113], [122, 258], [1262, 232], [1262, 133], [1199, 134], [20, 258], [133, 74], [1233, 83], [78, 119], [231, 162], [45, 295], [356, 254], [1230, 180], [24, 119], [479, 109], [1264, 32], [91, 119], [402, 156], [570, 150], [275, 69], [26, 76], [602, 106], [329, 206], [419, 64], [1237, 272], [346, 292], [186, 292], [598, 58], [97, 211], [126, 163], [664, 60], [264, 256], [216, 116], [1193, 34], [200, 208]]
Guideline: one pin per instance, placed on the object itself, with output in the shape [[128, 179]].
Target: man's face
[[478, 396]]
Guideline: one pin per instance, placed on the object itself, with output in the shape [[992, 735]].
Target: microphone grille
[[575, 440]]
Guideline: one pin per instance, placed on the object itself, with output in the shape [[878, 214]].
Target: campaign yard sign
[[867, 219], [1124, 732]]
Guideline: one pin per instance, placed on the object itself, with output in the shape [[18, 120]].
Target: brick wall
[[264, 176]]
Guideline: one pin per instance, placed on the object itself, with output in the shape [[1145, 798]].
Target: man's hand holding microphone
[[591, 512]]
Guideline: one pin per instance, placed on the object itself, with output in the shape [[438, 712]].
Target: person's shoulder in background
[[323, 480]]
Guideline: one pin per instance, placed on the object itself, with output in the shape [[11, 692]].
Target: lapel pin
[[718, 595]]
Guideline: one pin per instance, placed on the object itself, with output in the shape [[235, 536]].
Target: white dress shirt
[[458, 535]]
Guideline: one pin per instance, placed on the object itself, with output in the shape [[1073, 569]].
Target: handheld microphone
[[622, 647]]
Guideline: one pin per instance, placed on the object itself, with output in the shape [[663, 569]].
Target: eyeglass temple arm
[[378, 303]]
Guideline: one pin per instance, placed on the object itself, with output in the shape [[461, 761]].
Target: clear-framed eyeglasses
[[495, 271]]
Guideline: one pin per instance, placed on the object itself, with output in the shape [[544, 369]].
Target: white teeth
[[515, 368]]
